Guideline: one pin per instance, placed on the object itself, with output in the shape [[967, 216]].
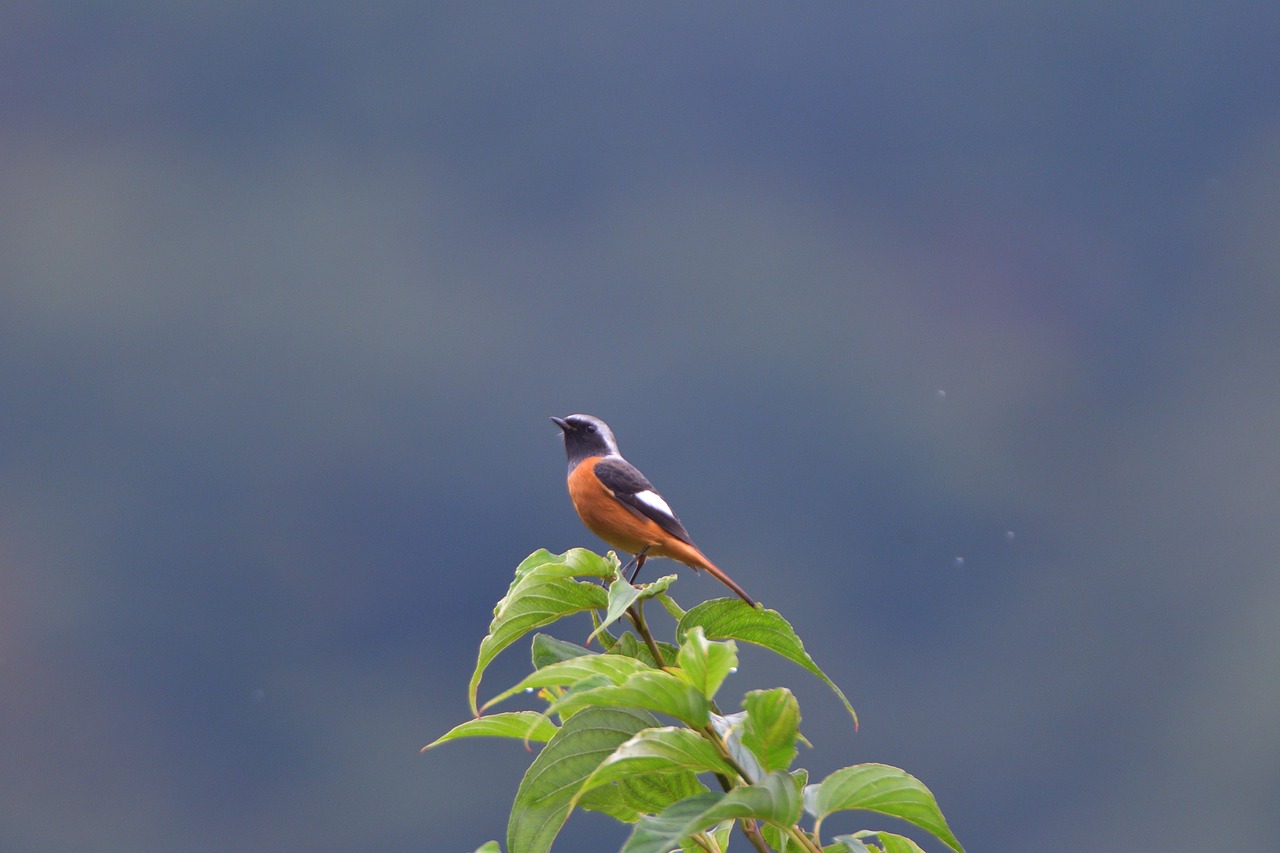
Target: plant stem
[[704, 843], [752, 831], [803, 839], [636, 613], [712, 735]]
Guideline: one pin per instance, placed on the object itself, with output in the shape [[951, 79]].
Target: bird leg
[[638, 559]]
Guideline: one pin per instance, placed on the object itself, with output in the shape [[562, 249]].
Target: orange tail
[[695, 559], [726, 580]]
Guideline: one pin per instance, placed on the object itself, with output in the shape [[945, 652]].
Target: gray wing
[[637, 494]]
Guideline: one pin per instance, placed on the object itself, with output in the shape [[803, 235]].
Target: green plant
[[611, 753]]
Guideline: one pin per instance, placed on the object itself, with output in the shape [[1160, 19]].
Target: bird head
[[586, 436]]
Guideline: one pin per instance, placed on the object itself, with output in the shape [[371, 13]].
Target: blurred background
[[951, 332]]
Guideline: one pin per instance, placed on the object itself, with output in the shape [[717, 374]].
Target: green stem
[[704, 843], [802, 838], [636, 614], [712, 735], [752, 831], [749, 827]]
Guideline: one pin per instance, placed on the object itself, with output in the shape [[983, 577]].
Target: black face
[[585, 436]]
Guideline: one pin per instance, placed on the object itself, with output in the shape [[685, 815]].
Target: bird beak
[[562, 423]]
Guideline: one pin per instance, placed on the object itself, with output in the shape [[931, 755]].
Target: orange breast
[[605, 517], [623, 528], [628, 531]]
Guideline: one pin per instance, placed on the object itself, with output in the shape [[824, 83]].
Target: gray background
[[950, 330]]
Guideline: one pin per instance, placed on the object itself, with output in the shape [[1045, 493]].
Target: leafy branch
[[607, 750]]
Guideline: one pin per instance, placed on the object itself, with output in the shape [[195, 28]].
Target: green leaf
[[847, 844], [488, 847], [670, 749], [613, 801], [542, 802], [653, 690], [548, 650], [544, 590], [629, 645], [567, 673], [775, 836], [775, 799], [641, 794], [650, 793], [884, 789], [778, 840], [730, 730], [662, 832], [677, 612], [718, 836], [889, 842], [522, 725], [772, 726], [704, 663], [734, 619], [623, 594]]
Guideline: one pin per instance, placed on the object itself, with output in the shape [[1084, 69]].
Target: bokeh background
[[952, 331]]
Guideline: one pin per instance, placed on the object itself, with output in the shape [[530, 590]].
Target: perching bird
[[620, 505]]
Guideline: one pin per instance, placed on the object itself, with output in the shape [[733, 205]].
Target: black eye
[[589, 428]]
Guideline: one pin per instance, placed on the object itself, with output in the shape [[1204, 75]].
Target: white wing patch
[[652, 499]]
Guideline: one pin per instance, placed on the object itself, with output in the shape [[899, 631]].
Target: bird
[[618, 503]]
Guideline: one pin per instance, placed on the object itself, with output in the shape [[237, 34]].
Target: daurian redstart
[[620, 505]]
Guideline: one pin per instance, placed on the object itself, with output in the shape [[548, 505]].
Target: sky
[[950, 331]]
